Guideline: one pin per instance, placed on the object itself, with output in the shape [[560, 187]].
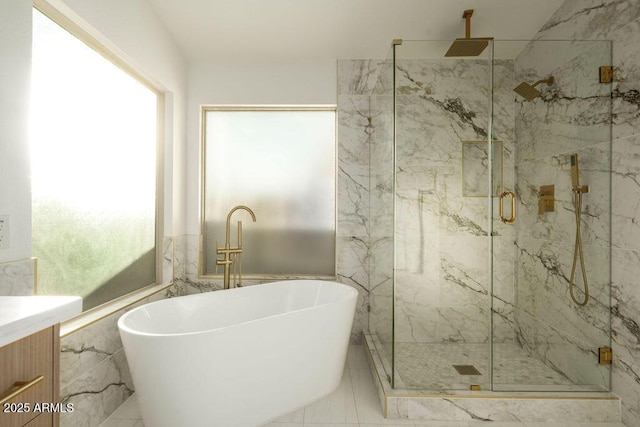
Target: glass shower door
[[441, 274], [553, 117]]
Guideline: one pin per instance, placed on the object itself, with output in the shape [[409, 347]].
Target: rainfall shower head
[[468, 46], [530, 92]]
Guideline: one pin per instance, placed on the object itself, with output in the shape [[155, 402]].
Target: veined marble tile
[[414, 323], [626, 192], [381, 316], [512, 410], [438, 76], [560, 224], [81, 351], [430, 128], [625, 303], [625, 376], [358, 77], [572, 124], [17, 278], [167, 259], [380, 202], [381, 135], [97, 393], [589, 19], [575, 359], [626, 338], [352, 261], [353, 200], [626, 101], [543, 289], [355, 127]]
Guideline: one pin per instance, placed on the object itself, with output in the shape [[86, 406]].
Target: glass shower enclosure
[[490, 216]]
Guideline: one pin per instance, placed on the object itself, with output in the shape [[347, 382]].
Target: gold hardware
[[22, 387], [466, 15], [233, 256], [606, 73], [475, 387], [512, 218], [605, 355], [389, 378], [547, 199], [582, 189], [396, 42]]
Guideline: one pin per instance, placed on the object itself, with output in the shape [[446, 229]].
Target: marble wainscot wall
[[618, 21], [94, 375], [17, 278], [571, 116]]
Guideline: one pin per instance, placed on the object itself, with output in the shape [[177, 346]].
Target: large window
[[280, 162], [93, 154]]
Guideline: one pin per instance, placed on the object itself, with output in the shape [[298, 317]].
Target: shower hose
[[577, 251]]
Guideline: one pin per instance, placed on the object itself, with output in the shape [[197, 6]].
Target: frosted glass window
[[281, 164], [93, 168]]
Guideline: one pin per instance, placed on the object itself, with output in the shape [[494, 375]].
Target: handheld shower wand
[[578, 191]]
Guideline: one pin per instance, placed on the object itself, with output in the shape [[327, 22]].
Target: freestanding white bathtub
[[239, 357]]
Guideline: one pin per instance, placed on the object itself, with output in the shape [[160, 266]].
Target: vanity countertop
[[21, 316]]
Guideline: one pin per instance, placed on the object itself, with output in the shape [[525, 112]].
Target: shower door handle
[[512, 218]]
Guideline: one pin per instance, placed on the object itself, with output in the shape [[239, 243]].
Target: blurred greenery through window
[[93, 167]]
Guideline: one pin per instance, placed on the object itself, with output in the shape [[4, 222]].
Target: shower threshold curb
[[459, 405]]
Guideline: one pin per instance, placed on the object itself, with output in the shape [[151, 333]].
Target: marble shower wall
[[442, 245], [571, 116], [618, 21]]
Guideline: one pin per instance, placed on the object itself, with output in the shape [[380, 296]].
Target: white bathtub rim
[[352, 293]]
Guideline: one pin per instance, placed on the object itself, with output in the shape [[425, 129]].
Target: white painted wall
[[247, 83], [15, 70]]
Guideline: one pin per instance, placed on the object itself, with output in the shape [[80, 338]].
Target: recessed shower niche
[[451, 284]]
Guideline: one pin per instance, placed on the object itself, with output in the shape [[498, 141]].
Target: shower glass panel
[[442, 281], [381, 213], [542, 339], [473, 193]]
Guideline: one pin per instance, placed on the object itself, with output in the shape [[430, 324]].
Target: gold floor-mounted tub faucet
[[233, 256]]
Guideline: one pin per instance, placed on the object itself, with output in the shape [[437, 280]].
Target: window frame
[[115, 56], [202, 252]]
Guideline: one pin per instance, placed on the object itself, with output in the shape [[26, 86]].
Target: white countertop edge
[[21, 316]]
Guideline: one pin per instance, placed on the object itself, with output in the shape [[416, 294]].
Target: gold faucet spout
[[246, 208], [233, 255]]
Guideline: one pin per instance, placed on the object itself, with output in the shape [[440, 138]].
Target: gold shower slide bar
[[512, 218]]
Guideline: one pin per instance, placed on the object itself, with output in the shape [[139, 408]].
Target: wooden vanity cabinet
[[25, 361]]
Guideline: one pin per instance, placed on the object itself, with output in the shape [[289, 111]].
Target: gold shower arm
[[467, 29]]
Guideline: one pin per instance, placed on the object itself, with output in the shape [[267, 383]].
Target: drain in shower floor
[[466, 370]]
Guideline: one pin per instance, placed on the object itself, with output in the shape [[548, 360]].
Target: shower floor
[[431, 367]]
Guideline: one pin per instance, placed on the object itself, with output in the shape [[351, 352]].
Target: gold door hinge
[[606, 74], [605, 355]]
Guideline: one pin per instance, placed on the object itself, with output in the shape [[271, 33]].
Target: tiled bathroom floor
[[353, 404]]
